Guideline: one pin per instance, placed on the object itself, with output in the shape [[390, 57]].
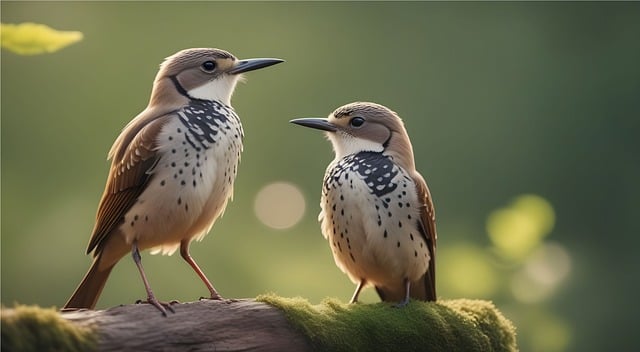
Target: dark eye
[[356, 121], [209, 66]]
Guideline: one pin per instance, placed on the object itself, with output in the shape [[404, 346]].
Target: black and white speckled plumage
[[204, 119], [374, 168]]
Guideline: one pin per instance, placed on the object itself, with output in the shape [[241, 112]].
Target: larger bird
[[172, 169], [377, 213]]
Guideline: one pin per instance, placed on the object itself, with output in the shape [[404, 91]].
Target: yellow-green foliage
[[448, 325], [31, 328], [34, 38]]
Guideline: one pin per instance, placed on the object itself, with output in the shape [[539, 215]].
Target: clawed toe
[[401, 304], [212, 298], [221, 299], [161, 306]]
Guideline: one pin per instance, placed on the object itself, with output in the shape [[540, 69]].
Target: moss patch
[[448, 325], [31, 328]]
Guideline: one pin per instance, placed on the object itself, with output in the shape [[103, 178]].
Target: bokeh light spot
[[543, 271], [538, 209], [518, 229], [466, 271], [280, 205], [549, 265]]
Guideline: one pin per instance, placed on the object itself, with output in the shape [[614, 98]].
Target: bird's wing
[[427, 226], [133, 156]]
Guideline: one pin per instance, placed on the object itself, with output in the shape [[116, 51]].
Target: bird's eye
[[209, 66], [356, 121]]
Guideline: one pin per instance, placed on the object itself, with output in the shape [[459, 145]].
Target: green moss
[[448, 325], [31, 328]]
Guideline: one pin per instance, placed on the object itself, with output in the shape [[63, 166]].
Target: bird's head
[[363, 126], [203, 73]]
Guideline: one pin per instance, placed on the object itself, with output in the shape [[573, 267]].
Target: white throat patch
[[345, 144], [219, 89]]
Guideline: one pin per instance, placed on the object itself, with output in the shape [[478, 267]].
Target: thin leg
[[407, 297], [151, 299], [354, 299], [184, 252]]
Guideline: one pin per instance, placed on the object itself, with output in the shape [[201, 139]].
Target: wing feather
[[427, 228], [134, 155]]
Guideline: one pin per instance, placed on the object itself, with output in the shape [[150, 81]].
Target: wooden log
[[269, 323], [241, 325]]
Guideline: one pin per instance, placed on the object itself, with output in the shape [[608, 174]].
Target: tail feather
[[88, 292], [382, 294], [424, 288]]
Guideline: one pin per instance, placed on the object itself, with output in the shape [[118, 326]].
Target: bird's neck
[[348, 145], [169, 91], [219, 90]]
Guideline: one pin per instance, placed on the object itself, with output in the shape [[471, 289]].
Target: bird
[[172, 169], [377, 212]]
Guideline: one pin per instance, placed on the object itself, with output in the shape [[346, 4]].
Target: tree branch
[[198, 326], [278, 324]]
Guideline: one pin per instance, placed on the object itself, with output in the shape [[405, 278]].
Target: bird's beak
[[317, 123], [247, 65]]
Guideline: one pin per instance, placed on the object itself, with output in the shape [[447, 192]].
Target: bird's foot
[[401, 304], [220, 298], [212, 298], [215, 296], [161, 306]]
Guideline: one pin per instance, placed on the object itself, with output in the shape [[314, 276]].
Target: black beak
[[247, 65], [317, 123]]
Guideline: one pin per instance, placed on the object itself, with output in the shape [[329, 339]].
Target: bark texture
[[243, 325]]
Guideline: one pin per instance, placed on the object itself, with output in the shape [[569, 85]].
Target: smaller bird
[[172, 169], [377, 212]]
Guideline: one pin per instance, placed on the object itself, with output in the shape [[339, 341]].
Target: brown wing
[[428, 231], [133, 156]]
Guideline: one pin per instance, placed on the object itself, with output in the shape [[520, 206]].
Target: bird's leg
[[354, 299], [407, 297], [184, 252], [151, 299]]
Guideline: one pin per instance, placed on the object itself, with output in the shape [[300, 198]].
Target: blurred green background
[[524, 118]]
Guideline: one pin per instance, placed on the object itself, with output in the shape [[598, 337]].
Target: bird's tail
[[424, 289], [87, 293]]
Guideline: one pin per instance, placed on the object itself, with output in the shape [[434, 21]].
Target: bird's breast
[[192, 181], [370, 217]]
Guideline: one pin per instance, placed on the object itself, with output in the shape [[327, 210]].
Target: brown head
[[364, 126], [201, 73]]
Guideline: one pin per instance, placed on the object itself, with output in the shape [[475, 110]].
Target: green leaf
[[34, 38]]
